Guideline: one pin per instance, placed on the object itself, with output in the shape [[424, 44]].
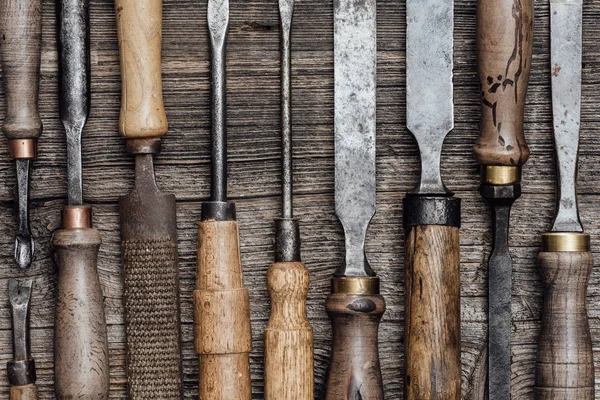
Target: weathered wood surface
[[183, 169]]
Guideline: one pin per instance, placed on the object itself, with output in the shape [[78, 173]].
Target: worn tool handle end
[[25, 392]]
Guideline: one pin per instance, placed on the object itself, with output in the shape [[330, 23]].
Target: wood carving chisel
[[80, 338], [148, 216], [20, 52], [504, 48], [565, 361], [289, 336], [21, 369], [223, 336], [431, 213], [355, 306]]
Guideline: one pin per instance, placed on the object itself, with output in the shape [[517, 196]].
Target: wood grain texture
[[26, 392]]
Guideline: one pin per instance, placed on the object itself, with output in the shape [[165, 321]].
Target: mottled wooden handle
[[223, 336], [20, 52], [504, 48], [432, 331], [289, 336], [80, 339], [565, 363], [139, 27], [25, 392]]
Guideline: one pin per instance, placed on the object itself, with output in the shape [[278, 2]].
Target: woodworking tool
[[223, 337], [288, 337], [355, 306], [504, 48], [565, 362], [20, 51], [80, 336], [21, 370], [148, 216], [431, 213]]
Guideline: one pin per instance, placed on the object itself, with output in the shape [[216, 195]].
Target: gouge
[[20, 51], [355, 306], [222, 332], [565, 362], [504, 47], [148, 220], [21, 370], [80, 337], [288, 337]]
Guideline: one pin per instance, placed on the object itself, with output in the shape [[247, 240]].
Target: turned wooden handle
[[223, 336], [20, 52], [289, 336], [432, 332], [80, 339], [504, 48], [565, 363], [25, 392], [139, 27]]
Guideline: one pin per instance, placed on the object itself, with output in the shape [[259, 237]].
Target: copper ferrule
[[143, 146], [500, 174], [75, 217], [22, 148], [565, 241], [365, 285]]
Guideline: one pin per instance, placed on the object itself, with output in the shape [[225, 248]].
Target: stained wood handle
[[139, 27], [20, 52], [25, 392], [289, 336], [565, 363], [432, 332], [223, 336], [80, 342], [504, 48]]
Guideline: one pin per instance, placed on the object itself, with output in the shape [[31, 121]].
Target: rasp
[[565, 362], [355, 306], [288, 337], [504, 48], [431, 213]]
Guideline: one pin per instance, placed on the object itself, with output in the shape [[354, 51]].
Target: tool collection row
[[564, 368]]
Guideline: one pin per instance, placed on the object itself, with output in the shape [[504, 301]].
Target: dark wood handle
[[565, 363], [504, 48], [432, 332], [26, 392], [20, 52], [354, 372], [80, 342]]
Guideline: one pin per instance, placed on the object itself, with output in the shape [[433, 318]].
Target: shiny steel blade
[[430, 109], [355, 59], [566, 28]]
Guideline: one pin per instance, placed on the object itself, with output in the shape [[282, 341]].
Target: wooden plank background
[[253, 112]]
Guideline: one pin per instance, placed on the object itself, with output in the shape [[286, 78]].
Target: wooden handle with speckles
[[25, 392]]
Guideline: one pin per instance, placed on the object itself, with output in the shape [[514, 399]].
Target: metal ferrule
[[22, 148], [435, 210], [565, 242], [363, 285], [77, 217], [500, 174], [218, 211], [21, 372], [287, 240], [143, 146]]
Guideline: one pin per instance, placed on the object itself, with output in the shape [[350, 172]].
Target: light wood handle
[[432, 332], [289, 336], [81, 368], [565, 362], [25, 392], [139, 27], [223, 336], [20, 52], [504, 48]]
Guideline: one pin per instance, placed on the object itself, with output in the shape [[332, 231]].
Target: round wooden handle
[[139, 27], [565, 362], [504, 48], [81, 346], [288, 337], [223, 336], [26, 392], [354, 372], [20, 52], [432, 332]]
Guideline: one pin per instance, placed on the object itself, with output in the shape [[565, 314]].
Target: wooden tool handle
[[289, 336], [81, 346], [565, 363], [139, 27], [223, 336], [20, 52], [25, 392], [504, 48], [432, 334]]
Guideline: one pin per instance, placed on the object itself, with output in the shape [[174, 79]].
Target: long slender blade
[[355, 59], [566, 37]]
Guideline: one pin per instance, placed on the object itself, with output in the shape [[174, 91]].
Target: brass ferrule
[[367, 285], [501, 174], [22, 148], [75, 217], [565, 241]]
